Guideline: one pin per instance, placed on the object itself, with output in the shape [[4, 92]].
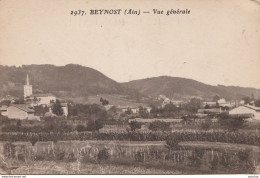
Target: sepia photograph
[[128, 87]]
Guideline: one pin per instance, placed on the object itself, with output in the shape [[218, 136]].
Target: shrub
[[139, 156], [173, 141], [226, 160], [231, 123], [135, 125], [94, 125], [159, 126], [205, 125], [246, 161], [21, 157], [244, 155], [214, 163], [81, 128], [44, 156], [19, 123], [9, 150], [71, 157], [33, 140], [85, 158], [196, 157], [40, 156], [55, 138], [103, 155], [59, 154]]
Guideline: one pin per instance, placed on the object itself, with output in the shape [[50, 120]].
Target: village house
[[165, 102], [44, 99], [65, 109], [107, 107], [26, 111], [246, 111], [221, 101], [134, 110], [9, 98], [38, 99], [209, 103], [148, 109], [20, 111], [242, 102]]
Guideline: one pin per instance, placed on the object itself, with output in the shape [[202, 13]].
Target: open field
[[76, 146], [219, 146], [185, 149], [129, 157]]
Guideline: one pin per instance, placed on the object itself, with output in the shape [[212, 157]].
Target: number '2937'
[[78, 12]]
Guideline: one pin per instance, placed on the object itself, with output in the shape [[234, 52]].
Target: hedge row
[[227, 137]]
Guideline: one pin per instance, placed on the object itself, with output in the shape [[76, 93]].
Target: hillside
[[70, 80], [77, 82], [181, 87]]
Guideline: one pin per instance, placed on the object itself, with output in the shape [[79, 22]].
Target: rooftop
[[253, 107], [3, 108], [43, 95], [23, 107]]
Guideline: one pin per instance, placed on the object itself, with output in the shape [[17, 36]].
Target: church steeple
[[27, 80], [27, 88]]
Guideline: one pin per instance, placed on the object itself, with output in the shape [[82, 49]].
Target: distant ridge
[[182, 87], [78, 81]]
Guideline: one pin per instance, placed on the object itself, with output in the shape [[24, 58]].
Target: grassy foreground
[[52, 167]]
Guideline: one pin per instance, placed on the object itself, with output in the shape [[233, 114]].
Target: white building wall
[[46, 100], [65, 111], [257, 115], [221, 101], [27, 90], [15, 113]]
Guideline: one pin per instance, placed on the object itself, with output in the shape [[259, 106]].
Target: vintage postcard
[[129, 87]]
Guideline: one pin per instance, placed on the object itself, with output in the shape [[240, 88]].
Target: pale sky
[[218, 43]]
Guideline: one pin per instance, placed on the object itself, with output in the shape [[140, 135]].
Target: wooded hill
[[79, 81]]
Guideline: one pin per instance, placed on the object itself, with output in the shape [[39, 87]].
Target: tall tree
[[252, 96], [257, 103], [129, 111], [57, 108], [215, 98], [143, 112], [193, 105], [94, 125], [40, 110], [246, 99]]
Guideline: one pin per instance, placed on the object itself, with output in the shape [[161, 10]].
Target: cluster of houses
[[165, 100], [233, 108], [47, 100], [26, 110], [223, 103]]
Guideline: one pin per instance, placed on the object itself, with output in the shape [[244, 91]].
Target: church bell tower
[[27, 88]]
